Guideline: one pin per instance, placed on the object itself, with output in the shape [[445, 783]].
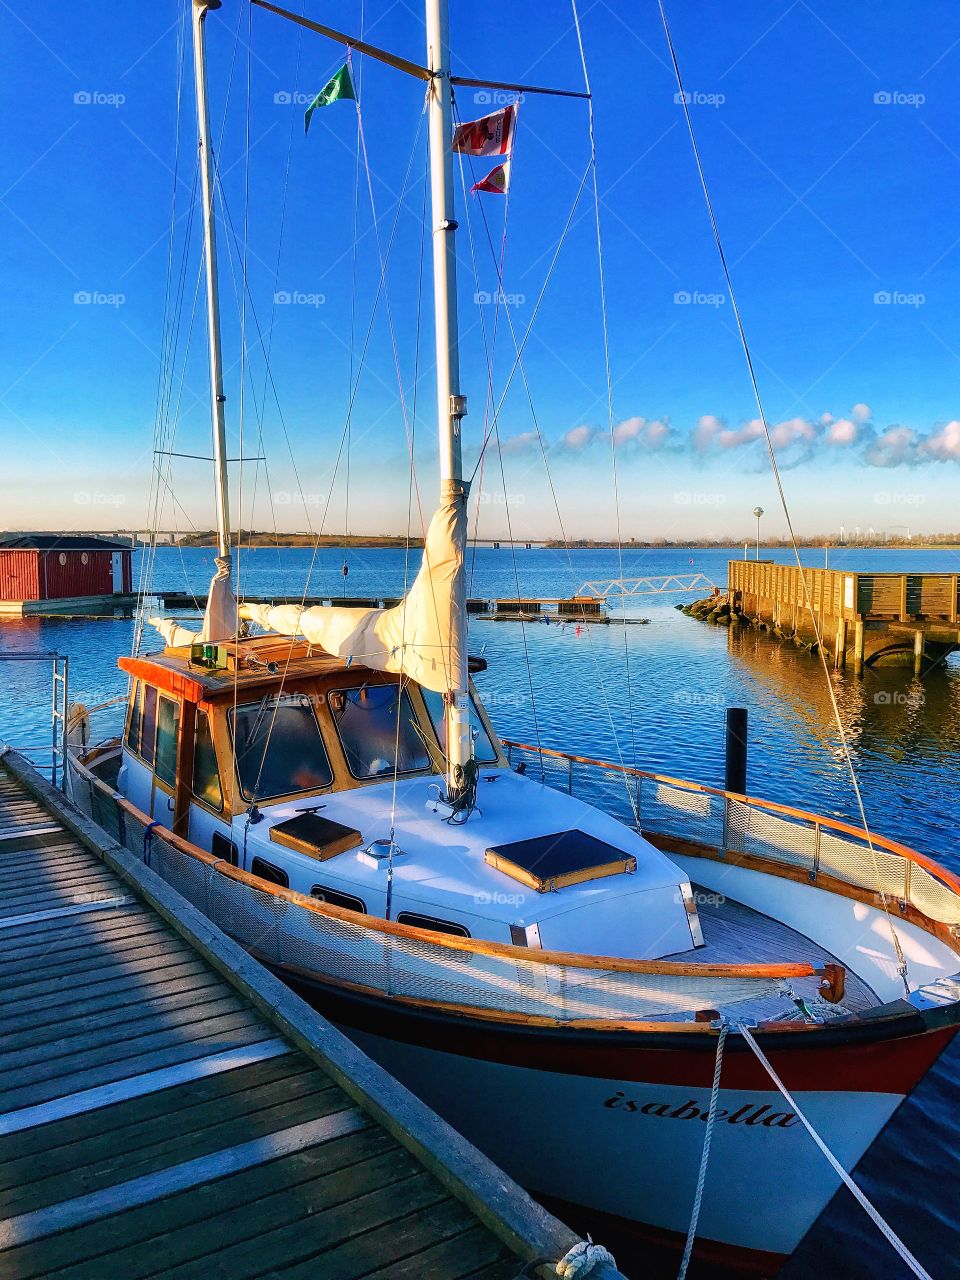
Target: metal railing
[[422, 967], [744, 828], [50, 755]]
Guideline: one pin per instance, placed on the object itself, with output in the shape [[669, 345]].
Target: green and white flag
[[339, 86]]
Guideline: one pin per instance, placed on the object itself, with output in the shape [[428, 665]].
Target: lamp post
[[758, 512]]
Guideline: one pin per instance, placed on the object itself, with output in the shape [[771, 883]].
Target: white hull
[[578, 1139]]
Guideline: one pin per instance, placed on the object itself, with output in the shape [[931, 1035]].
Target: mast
[[217, 398], [450, 404]]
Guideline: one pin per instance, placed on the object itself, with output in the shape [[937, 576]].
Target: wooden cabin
[[59, 567], [212, 730]]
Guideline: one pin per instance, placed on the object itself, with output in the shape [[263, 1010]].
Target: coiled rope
[[873, 1214], [704, 1155]]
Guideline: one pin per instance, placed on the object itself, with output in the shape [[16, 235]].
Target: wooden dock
[[169, 1107], [869, 618]]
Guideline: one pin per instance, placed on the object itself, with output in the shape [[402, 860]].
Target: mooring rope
[[873, 1214], [704, 1155]]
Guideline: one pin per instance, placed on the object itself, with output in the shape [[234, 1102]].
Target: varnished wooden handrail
[[473, 946], [884, 843]]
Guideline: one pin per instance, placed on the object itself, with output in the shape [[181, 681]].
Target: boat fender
[[582, 1259]]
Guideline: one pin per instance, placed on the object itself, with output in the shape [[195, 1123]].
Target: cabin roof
[[173, 672], [59, 542]]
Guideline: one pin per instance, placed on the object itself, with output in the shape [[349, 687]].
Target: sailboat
[[561, 976]]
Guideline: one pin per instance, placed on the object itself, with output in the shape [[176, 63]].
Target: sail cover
[[423, 637]]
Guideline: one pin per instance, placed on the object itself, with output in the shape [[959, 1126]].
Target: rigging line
[[489, 354], [273, 310], [353, 292], [381, 291], [772, 454], [520, 349], [489, 398], [631, 800], [161, 371], [241, 563], [163, 432], [412, 473], [169, 431], [392, 330], [609, 378]]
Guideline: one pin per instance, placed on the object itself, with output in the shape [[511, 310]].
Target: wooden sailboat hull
[[611, 1125]]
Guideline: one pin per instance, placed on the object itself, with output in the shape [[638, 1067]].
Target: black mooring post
[[735, 773]]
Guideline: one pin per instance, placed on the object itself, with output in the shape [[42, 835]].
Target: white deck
[[735, 934]]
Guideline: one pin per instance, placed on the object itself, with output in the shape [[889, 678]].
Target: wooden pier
[[169, 1107], [869, 618]]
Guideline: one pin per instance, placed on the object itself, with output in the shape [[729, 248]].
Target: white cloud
[[654, 433], [523, 442], [895, 447], [578, 438], [943, 443], [842, 431], [861, 413]]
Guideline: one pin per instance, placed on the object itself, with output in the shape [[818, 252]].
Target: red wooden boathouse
[[56, 566]]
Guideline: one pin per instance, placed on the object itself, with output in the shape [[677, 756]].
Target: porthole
[[84, 558], [62, 557]]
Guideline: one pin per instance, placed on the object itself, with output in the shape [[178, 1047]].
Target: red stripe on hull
[[887, 1055]]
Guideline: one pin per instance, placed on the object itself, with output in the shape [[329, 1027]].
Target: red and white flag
[[497, 180], [490, 136]]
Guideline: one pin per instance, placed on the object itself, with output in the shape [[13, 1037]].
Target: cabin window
[[206, 773], [431, 922], [148, 724], [378, 730], [133, 722], [483, 749], [168, 733], [222, 847], [278, 747], [267, 871], [337, 899]]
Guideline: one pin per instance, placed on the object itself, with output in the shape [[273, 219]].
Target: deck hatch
[[550, 862], [318, 837]]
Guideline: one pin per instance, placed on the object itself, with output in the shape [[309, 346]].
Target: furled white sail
[[220, 618], [422, 637], [173, 633]]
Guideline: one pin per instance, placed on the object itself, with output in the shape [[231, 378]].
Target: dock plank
[[157, 1115]]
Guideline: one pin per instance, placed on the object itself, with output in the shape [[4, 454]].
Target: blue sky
[[831, 142]]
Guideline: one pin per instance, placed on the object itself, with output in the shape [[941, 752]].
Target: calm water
[[656, 694]]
